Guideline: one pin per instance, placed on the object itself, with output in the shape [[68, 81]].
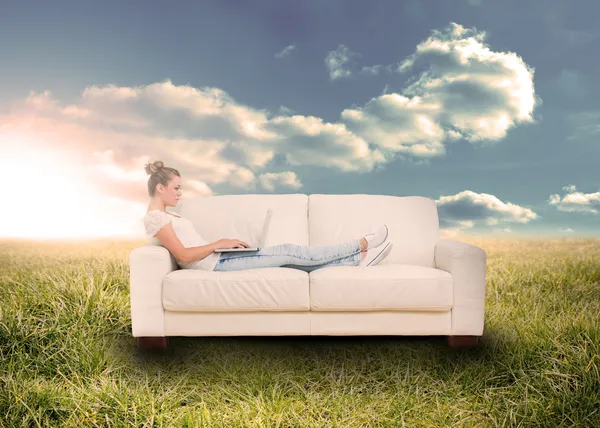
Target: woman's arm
[[167, 237], [192, 254]]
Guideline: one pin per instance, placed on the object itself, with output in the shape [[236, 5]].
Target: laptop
[[261, 242]]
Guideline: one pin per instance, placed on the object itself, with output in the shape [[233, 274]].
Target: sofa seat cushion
[[395, 287], [265, 289]]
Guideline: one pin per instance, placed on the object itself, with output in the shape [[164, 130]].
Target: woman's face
[[171, 194]]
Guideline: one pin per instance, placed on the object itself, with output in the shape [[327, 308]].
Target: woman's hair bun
[[153, 167]]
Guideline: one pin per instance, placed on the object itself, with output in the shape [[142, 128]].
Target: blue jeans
[[302, 257]]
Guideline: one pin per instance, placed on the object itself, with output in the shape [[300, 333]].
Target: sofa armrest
[[148, 265], [467, 265]]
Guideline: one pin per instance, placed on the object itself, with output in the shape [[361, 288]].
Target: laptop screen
[[265, 230]]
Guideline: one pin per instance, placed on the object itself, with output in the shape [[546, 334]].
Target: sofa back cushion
[[412, 222], [242, 217]]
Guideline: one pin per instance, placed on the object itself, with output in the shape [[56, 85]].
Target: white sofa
[[425, 286]]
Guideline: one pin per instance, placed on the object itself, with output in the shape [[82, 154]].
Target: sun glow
[[45, 193]]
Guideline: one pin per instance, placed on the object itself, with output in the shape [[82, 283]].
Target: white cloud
[[566, 230], [399, 124], [450, 233], [464, 90], [167, 108], [481, 93], [204, 130], [339, 62], [470, 92], [466, 209], [285, 179], [576, 201], [285, 52], [111, 159], [242, 178], [310, 141], [285, 111], [200, 188], [374, 70]]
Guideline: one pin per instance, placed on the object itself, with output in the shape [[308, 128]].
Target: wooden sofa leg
[[463, 341], [151, 342]]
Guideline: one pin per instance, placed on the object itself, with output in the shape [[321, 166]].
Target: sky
[[490, 108]]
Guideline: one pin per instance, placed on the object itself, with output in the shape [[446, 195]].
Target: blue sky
[[488, 107]]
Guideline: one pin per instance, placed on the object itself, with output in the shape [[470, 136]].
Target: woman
[[191, 251]]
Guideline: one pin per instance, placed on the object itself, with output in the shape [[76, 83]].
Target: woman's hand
[[231, 243]]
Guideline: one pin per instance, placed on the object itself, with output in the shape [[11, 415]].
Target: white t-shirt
[[154, 220]]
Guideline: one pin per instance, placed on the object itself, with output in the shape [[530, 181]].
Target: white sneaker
[[377, 238], [377, 254]]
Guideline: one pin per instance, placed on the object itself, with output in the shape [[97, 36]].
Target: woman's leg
[[290, 254], [353, 260]]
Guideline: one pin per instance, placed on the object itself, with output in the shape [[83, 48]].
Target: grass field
[[68, 357]]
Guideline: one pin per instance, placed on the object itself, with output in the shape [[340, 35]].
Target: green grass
[[68, 357]]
